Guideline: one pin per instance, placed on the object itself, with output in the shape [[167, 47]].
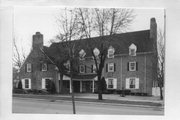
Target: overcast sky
[[28, 20]]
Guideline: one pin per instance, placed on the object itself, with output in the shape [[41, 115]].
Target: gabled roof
[[120, 42]]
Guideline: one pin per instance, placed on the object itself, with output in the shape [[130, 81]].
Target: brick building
[[129, 63]]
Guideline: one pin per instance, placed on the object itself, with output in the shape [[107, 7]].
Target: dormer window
[[132, 50], [111, 52], [96, 52], [82, 54]]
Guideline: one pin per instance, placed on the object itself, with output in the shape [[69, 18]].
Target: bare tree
[[18, 54], [161, 61], [68, 31], [103, 22]]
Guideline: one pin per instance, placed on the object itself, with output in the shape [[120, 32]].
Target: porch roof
[[85, 77]]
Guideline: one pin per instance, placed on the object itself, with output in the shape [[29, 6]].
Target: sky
[[29, 20]]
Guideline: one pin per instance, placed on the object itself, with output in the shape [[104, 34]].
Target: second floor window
[[44, 67], [82, 68], [132, 66], [110, 67], [28, 67]]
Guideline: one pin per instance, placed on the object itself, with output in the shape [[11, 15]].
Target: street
[[29, 105]]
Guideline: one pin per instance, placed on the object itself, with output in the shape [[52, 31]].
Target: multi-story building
[[129, 63]]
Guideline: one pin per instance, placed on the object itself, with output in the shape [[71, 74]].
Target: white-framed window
[[44, 67], [82, 54], [82, 68], [132, 83], [132, 50], [132, 66], [111, 83], [28, 67], [111, 67], [46, 83], [26, 83], [93, 68], [111, 52]]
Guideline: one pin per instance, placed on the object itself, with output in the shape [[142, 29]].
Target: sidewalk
[[107, 98]]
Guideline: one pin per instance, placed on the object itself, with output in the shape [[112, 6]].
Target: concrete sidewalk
[[107, 98]]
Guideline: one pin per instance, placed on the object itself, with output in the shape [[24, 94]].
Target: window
[[82, 54], [26, 83], [111, 83], [28, 67], [96, 53], [44, 67], [111, 67], [111, 52], [132, 83], [46, 83], [82, 68], [132, 66], [132, 50]]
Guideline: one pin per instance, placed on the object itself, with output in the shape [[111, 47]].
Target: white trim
[[134, 66], [111, 49], [45, 67], [112, 65], [80, 69], [136, 80], [43, 82], [28, 65], [114, 82], [23, 83]]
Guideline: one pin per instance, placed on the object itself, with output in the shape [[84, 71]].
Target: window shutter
[[23, 83], [43, 83], [106, 67], [31, 67], [25, 67], [85, 68], [137, 83], [29, 83], [128, 66], [114, 67], [106, 82], [127, 83], [136, 66], [91, 68], [115, 83]]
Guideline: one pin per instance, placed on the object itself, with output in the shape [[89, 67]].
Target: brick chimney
[[37, 41], [153, 29]]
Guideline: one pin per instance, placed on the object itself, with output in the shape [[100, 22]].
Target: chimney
[[153, 29], [37, 41]]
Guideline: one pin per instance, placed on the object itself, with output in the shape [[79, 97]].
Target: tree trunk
[[161, 92], [99, 88], [72, 94], [61, 84]]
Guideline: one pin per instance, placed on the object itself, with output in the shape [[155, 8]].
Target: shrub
[[20, 91]]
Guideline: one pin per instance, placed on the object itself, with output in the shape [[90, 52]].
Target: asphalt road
[[35, 106]]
